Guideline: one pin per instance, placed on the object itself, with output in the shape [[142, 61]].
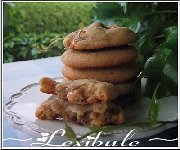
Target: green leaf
[[154, 108], [171, 35], [170, 72], [147, 33], [107, 10], [162, 67], [69, 132], [138, 10], [153, 67]]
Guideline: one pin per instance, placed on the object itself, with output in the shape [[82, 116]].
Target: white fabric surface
[[17, 75]]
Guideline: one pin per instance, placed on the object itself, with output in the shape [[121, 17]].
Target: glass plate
[[22, 106]]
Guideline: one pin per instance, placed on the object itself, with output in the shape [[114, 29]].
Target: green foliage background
[[28, 23]]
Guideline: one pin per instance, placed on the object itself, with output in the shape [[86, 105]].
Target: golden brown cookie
[[47, 85], [50, 109], [97, 114], [111, 74], [98, 36], [101, 58], [87, 91]]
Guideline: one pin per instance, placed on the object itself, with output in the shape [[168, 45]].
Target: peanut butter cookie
[[98, 36], [110, 74], [101, 58]]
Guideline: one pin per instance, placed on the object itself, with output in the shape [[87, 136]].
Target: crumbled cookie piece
[[97, 114], [47, 85], [89, 91], [50, 109]]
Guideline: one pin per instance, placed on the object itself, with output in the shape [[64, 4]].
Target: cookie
[[98, 36], [50, 109], [101, 58], [110, 74], [47, 85], [86, 91], [97, 114]]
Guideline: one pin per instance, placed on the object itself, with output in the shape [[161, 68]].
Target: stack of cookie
[[101, 53], [94, 53], [99, 70]]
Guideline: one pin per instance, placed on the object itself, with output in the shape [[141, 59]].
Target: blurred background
[[27, 24]]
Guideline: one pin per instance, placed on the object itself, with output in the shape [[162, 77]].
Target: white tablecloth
[[16, 75]]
